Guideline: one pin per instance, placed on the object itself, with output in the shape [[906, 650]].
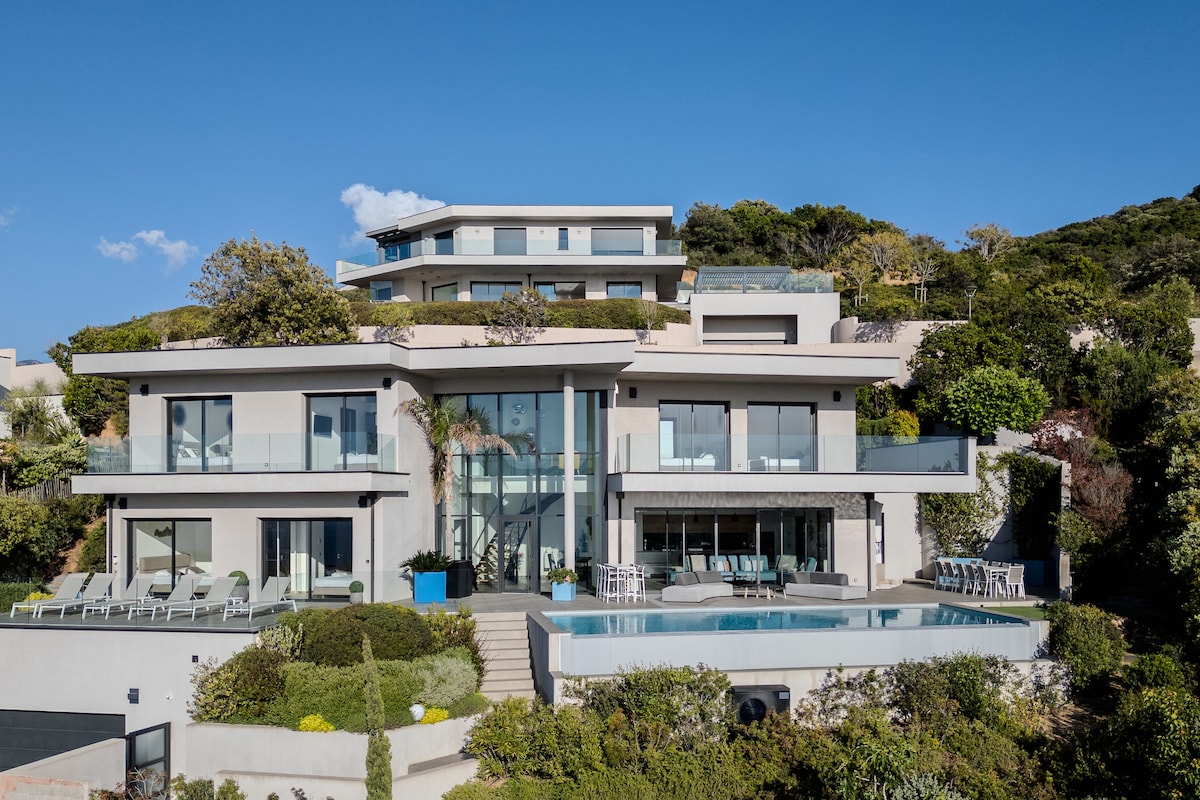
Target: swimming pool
[[668, 621], [782, 645]]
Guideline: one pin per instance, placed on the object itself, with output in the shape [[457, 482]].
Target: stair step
[[528, 694], [508, 674], [503, 635], [499, 616], [489, 687], [507, 659]]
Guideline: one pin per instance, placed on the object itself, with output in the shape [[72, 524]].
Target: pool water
[[608, 623]]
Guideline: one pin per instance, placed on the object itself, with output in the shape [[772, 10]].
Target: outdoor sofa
[[692, 587], [823, 585]]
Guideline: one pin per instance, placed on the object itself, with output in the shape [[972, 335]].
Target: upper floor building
[[478, 252]]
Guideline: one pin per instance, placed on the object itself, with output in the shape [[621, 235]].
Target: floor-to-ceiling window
[[343, 432], [781, 437], [200, 434], [508, 511], [690, 539], [169, 548], [315, 554], [693, 436]]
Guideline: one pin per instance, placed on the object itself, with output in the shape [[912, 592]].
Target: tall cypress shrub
[[379, 748]]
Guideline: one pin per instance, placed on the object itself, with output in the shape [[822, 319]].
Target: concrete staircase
[[504, 639]]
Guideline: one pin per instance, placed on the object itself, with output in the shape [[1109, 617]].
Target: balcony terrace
[[658, 462], [397, 254]]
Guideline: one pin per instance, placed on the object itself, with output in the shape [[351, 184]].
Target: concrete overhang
[[242, 360], [767, 367], [241, 483], [610, 356], [531, 358], [765, 483], [513, 214]]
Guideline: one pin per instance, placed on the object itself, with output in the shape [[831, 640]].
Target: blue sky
[[136, 137]]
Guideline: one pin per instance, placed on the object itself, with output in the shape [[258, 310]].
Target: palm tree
[[444, 424]]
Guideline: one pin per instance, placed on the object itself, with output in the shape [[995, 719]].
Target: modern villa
[[733, 435], [730, 436]]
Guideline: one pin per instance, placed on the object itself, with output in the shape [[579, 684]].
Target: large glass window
[[381, 291], [493, 290], [693, 436], [398, 251], [616, 241], [170, 548], [446, 293], [509, 241], [200, 435], [562, 290], [781, 437], [508, 510], [316, 554], [618, 289], [443, 243], [343, 432]]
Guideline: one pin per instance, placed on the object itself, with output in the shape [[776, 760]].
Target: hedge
[[15, 592], [614, 314]]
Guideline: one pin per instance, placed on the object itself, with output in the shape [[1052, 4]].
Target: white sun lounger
[[98, 588], [137, 591], [272, 596], [217, 596], [184, 590], [68, 590]]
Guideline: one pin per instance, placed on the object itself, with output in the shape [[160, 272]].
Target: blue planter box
[[563, 592], [429, 587]]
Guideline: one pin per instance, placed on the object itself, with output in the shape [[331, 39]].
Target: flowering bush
[[433, 714], [316, 723], [39, 596]]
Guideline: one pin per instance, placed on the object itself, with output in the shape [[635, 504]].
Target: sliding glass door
[[315, 554]]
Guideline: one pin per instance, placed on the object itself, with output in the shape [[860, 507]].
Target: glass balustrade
[[265, 452], [651, 452]]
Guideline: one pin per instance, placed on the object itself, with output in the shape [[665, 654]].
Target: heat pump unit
[[752, 703]]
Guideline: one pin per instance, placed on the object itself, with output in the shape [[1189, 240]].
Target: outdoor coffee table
[[759, 589]]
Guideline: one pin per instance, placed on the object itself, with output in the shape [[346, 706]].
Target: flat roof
[[655, 214]]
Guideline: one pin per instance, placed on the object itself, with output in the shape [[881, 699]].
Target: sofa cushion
[[709, 577], [686, 579], [821, 578]]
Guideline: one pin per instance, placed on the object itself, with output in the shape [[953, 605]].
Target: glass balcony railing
[[265, 452], [488, 247], [651, 452]]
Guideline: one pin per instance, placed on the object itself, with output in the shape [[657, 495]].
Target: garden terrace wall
[[264, 759]]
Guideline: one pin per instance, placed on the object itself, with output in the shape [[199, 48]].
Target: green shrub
[[336, 693], [1155, 671], [683, 705], [611, 314], [968, 684], [15, 592], [202, 789], [447, 677], [95, 545], [1088, 641], [333, 637], [1150, 747], [456, 629], [239, 690], [468, 706]]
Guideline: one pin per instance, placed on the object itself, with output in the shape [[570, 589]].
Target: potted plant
[[242, 589], [429, 576], [356, 593], [562, 583]]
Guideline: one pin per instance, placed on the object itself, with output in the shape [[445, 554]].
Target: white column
[[569, 468]]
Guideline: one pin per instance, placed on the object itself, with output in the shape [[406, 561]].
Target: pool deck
[[902, 594]]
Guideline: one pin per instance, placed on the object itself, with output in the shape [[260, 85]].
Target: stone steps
[[504, 641]]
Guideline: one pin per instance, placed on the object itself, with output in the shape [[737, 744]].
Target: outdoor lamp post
[[971, 289]]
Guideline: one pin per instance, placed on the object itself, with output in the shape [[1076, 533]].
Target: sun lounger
[[68, 590], [272, 596], [98, 588], [184, 590], [137, 591], [217, 597]]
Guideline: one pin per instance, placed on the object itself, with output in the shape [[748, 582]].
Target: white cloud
[[122, 250], [177, 251], [6, 216], [375, 209]]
